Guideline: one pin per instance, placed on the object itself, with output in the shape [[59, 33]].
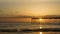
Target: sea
[[20, 26], [27, 28]]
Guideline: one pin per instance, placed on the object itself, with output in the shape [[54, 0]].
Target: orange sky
[[29, 7]]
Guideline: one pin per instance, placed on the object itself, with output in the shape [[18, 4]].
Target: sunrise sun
[[40, 19]]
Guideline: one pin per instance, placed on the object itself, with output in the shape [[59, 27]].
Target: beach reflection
[[49, 32], [40, 32], [49, 23], [40, 28]]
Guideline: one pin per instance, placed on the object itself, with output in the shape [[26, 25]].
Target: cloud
[[1, 10], [28, 7]]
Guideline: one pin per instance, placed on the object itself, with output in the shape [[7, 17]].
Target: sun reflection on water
[[40, 32], [40, 28]]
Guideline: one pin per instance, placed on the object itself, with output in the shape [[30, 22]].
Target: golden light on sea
[[40, 32], [40, 28]]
